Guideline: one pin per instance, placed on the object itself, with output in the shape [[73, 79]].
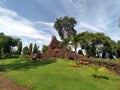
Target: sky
[[33, 20]]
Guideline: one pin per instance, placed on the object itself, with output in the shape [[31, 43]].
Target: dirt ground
[[6, 84]]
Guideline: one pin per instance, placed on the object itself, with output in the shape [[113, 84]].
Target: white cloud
[[7, 12], [102, 24], [80, 6], [45, 23], [87, 26], [13, 24]]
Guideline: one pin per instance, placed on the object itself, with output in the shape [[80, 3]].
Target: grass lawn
[[56, 75]]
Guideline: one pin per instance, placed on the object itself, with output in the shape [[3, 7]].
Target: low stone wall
[[109, 65]]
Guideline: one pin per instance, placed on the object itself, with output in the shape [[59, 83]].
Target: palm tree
[[65, 43], [75, 43]]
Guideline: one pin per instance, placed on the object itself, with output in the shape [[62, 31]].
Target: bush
[[14, 56], [97, 70], [24, 56], [7, 55]]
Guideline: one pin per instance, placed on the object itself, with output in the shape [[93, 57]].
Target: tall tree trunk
[[1, 52], [75, 58], [66, 54]]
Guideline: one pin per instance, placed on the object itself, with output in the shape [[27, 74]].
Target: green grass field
[[56, 75]]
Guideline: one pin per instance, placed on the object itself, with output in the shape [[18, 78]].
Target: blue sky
[[33, 20]]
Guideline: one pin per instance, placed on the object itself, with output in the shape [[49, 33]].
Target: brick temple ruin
[[56, 50]]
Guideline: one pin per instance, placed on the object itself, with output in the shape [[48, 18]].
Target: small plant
[[75, 65], [97, 70]]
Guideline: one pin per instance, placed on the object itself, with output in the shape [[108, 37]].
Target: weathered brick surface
[[55, 50]]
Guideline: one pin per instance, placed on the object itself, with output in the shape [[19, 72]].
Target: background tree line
[[98, 45], [6, 45], [12, 47], [94, 44]]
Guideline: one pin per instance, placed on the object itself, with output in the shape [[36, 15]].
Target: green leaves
[[98, 70], [65, 26], [6, 42], [118, 48], [94, 42], [35, 48], [19, 47], [44, 48]]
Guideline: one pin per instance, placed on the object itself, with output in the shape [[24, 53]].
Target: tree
[[6, 44], [1, 43], [19, 47], [15, 41], [30, 48], [44, 48], [2, 40], [65, 43], [118, 48], [96, 43], [65, 26], [26, 50], [35, 48], [75, 43]]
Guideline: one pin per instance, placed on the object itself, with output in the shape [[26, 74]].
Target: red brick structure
[[56, 50]]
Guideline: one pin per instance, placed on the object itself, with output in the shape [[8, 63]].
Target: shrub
[[7, 55], [75, 65], [23, 56], [14, 56], [97, 70]]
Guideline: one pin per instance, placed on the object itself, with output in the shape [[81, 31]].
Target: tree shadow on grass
[[25, 64], [100, 77]]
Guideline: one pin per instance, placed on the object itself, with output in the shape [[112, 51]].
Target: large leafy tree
[[30, 48], [96, 43], [65, 43], [65, 26], [2, 36], [87, 42], [26, 50], [118, 48], [75, 43], [35, 48], [108, 45], [44, 48], [7, 43], [19, 47]]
